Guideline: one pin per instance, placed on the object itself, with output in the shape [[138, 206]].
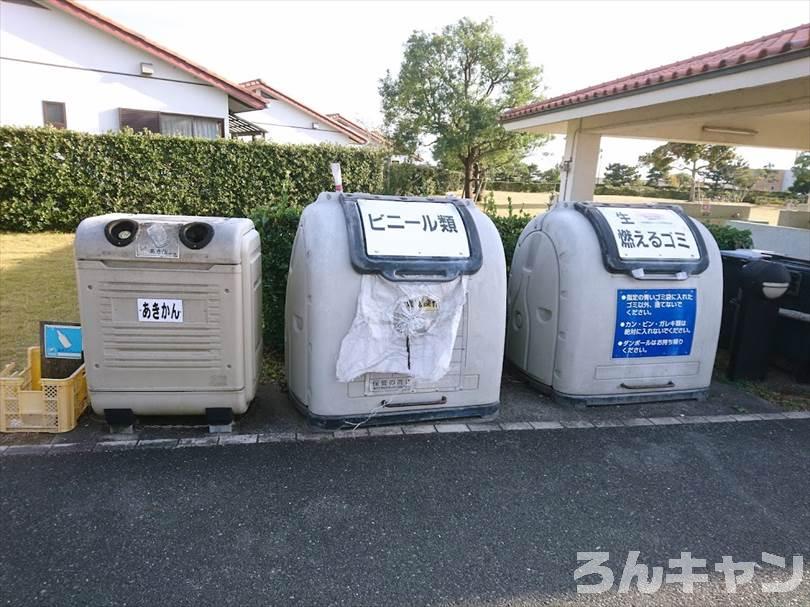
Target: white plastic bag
[[402, 327]]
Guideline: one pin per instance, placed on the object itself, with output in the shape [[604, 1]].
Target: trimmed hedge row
[[276, 226], [420, 180], [730, 238], [641, 190], [522, 186], [52, 179]]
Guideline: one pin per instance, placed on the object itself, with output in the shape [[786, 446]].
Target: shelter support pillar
[[578, 175]]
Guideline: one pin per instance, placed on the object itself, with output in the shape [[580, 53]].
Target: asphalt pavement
[[441, 519]]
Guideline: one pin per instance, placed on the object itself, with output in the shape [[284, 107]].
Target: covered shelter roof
[[754, 93]]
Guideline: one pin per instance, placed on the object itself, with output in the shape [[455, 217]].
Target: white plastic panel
[[413, 229], [643, 233]]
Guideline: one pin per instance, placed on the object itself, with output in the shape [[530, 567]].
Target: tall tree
[[659, 163], [801, 174], [725, 168], [697, 159], [450, 91], [618, 174]]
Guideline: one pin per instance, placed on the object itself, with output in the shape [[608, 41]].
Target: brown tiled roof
[[258, 84], [372, 136], [781, 43], [135, 39]]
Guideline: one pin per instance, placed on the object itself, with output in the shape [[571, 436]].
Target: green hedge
[[641, 190], [276, 226], [522, 186], [729, 238], [52, 179], [510, 228], [420, 180]]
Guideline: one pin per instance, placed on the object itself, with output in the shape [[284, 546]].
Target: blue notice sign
[[654, 322], [63, 341]]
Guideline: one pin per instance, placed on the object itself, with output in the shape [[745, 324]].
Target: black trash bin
[[790, 334]]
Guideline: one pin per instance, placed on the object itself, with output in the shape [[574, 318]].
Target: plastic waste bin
[[171, 313], [395, 310], [611, 304]]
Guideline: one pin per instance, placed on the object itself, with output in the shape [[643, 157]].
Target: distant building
[[777, 180], [66, 66], [287, 120]]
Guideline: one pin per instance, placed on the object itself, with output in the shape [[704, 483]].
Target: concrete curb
[[127, 443]]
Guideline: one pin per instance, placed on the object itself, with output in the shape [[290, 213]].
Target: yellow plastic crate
[[32, 403]]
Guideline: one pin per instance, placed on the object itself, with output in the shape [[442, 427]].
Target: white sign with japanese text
[[650, 233], [413, 229], [160, 310]]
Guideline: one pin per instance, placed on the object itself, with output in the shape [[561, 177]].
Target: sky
[[331, 55]]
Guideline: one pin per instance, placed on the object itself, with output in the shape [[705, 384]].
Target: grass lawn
[[37, 282]]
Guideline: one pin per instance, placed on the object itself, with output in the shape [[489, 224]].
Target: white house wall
[[287, 124], [46, 55]]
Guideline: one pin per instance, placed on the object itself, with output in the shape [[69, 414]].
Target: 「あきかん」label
[[160, 310], [654, 322]]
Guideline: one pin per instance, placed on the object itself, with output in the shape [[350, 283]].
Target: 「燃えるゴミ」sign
[[644, 233], [654, 322], [394, 228], [160, 310]]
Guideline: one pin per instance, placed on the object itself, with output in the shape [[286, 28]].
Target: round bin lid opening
[[121, 232], [196, 235]]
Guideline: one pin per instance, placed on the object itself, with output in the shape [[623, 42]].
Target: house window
[[53, 114], [171, 124], [138, 120]]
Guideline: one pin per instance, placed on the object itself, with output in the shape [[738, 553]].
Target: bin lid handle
[[640, 274], [439, 275]]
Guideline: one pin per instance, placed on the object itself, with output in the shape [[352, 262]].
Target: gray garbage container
[[615, 303], [171, 313], [395, 310]]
